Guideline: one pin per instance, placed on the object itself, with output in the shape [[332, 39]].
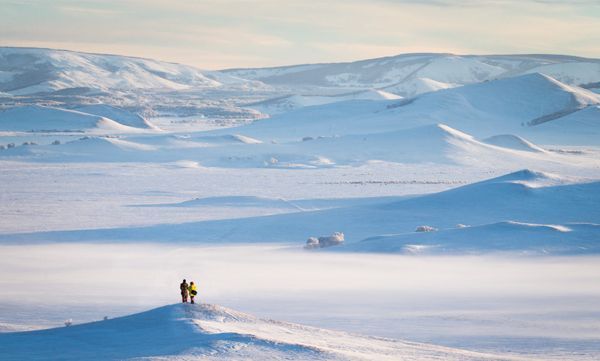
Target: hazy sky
[[217, 34]]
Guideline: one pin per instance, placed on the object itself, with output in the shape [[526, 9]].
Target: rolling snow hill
[[26, 71], [209, 332], [413, 74], [523, 105], [429, 144]]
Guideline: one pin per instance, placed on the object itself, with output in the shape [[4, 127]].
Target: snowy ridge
[[210, 332], [413, 74], [513, 142]]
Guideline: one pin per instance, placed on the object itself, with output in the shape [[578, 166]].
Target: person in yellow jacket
[[193, 291]]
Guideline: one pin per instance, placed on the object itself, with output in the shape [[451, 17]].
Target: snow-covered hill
[[25, 71], [209, 332], [412, 74], [523, 105]]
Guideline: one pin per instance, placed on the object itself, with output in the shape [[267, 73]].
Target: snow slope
[[236, 201], [412, 74], [209, 332], [525, 238], [579, 127], [437, 143], [524, 197], [513, 104], [418, 86], [37, 118], [28, 71]]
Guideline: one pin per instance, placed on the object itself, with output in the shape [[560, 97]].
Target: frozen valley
[[120, 176]]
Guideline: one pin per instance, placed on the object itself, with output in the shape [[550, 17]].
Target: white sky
[[216, 34]]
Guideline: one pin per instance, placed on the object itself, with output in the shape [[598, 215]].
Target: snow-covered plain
[[120, 176]]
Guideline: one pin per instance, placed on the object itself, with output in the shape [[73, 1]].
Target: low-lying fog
[[480, 302]]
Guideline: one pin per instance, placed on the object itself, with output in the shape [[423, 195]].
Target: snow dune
[[209, 332], [38, 118], [119, 115]]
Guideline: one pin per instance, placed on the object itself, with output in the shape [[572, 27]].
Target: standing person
[[193, 291], [184, 291]]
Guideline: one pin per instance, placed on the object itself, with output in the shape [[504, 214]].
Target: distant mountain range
[[26, 71], [412, 74]]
